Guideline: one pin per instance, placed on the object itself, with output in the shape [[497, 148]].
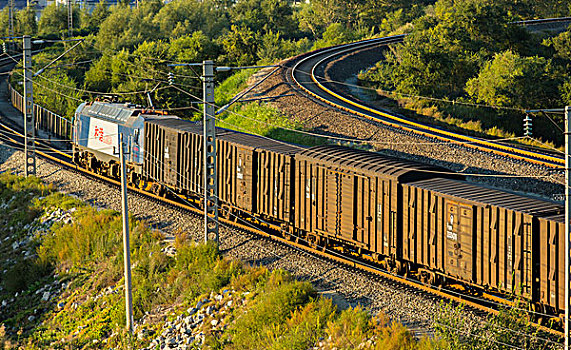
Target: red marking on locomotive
[[100, 135]]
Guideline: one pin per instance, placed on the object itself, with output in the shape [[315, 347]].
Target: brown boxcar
[[551, 274], [246, 165], [352, 196], [474, 233]]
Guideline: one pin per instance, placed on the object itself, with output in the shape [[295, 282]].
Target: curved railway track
[[307, 75]]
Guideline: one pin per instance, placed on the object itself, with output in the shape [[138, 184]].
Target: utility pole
[[69, 19], [567, 253], [567, 219], [209, 149], [11, 20], [29, 119], [126, 244]]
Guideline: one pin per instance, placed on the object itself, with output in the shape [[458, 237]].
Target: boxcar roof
[[368, 162], [486, 195], [240, 138]]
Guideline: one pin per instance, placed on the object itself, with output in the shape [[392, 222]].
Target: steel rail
[[304, 75], [330, 255]]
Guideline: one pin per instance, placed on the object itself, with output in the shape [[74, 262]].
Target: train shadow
[[6, 166]]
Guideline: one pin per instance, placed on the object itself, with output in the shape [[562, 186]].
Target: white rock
[[210, 310], [46, 296]]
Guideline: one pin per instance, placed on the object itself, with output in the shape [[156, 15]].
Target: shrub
[[350, 329], [25, 273], [265, 321]]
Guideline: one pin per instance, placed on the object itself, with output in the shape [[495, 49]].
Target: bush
[[265, 321], [25, 273]]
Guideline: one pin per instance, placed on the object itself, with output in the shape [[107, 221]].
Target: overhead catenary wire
[[392, 166], [362, 141], [348, 139], [328, 80], [312, 134]]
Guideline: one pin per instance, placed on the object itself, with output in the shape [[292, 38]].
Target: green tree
[[240, 46], [335, 34], [126, 27], [57, 90], [98, 77], [93, 20], [510, 80], [264, 16], [446, 48], [273, 48], [54, 19], [561, 46], [183, 17], [193, 48], [26, 21]]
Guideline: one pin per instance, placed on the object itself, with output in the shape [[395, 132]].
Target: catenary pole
[[69, 18], [567, 219], [126, 244], [209, 147], [11, 9], [29, 118]]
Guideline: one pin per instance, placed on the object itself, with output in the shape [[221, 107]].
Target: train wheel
[[400, 268], [427, 277], [313, 241], [539, 313], [158, 190], [389, 265]]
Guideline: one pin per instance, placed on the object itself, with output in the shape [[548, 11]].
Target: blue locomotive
[[95, 137]]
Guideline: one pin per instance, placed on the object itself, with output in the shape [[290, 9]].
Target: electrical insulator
[[527, 126], [4, 47], [171, 78]]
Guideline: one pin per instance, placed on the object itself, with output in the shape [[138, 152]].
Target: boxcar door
[[170, 157], [347, 207], [332, 202], [244, 179], [459, 240]]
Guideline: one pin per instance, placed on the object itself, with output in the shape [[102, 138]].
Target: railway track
[[307, 74], [482, 304]]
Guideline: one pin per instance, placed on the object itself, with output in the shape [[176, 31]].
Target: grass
[[82, 261], [258, 117]]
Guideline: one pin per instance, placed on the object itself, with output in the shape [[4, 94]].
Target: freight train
[[412, 219]]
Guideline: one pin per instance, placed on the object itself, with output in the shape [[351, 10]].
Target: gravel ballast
[[345, 286]]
